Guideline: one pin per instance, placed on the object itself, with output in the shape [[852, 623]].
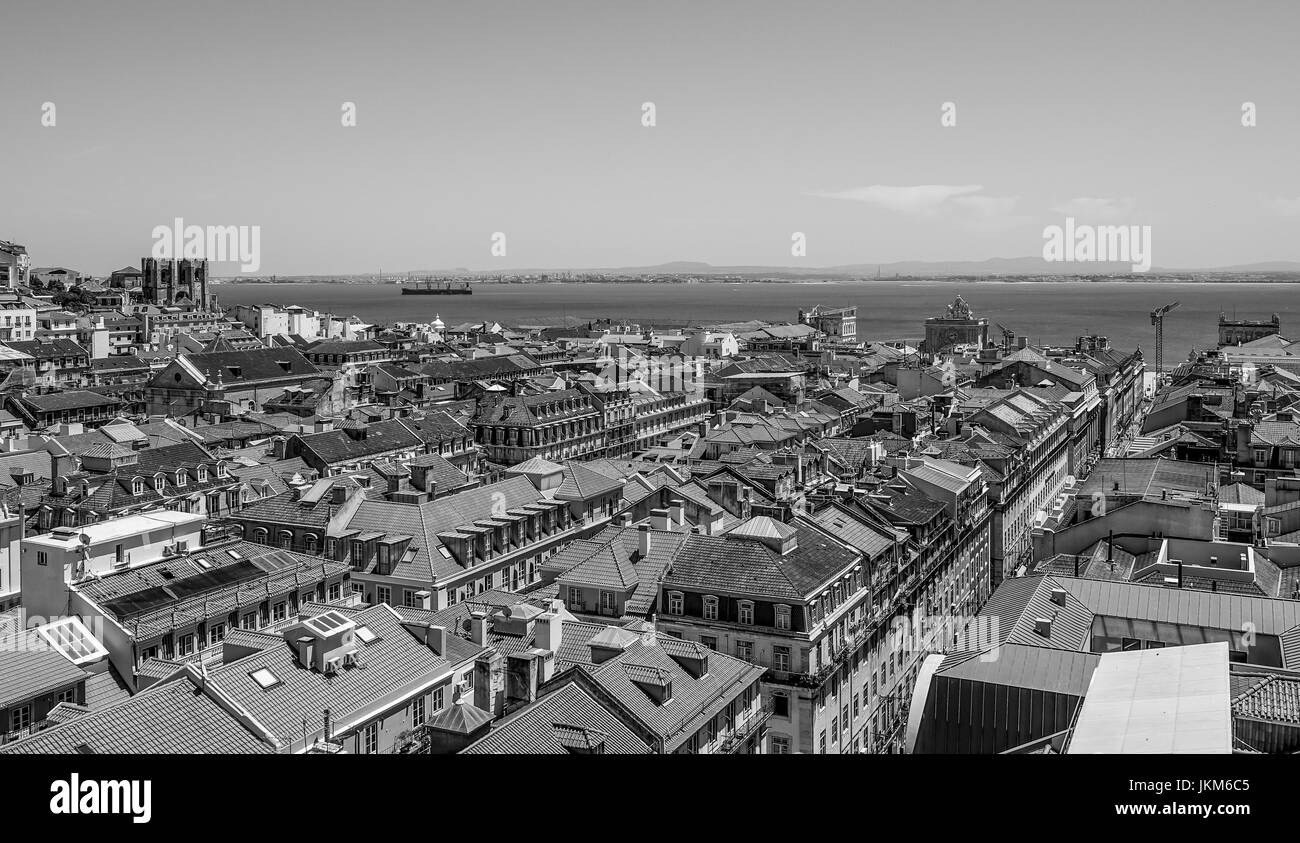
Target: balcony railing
[[748, 724]]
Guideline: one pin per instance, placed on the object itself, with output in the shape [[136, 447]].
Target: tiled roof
[[694, 700], [581, 483], [27, 672], [336, 446], [238, 368], [554, 724], [170, 718], [608, 568], [394, 660], [722, 564]]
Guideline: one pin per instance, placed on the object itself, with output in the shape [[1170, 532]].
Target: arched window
[[286, 539], [159, 482], [309, 543], [710, 607], [181, 477], [259, 535], [137, 486], [203, 473]]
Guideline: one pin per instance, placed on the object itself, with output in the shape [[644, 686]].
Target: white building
[[52, 561]]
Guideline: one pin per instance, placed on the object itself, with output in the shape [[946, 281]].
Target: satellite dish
[[83, 538]]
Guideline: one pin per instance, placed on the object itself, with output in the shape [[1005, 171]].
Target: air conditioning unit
[[331, 666], [169, 549], [182, 547]]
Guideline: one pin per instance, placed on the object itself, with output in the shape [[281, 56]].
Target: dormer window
[[221, 470], [137, 486], [782, 617], [747, 611], [203, 473], [180, 477], [159, 481], [675, 603], [710, 608]]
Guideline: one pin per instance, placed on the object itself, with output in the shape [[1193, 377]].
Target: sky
[[526, 118]]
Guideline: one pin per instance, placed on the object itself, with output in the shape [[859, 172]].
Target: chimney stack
[[547, 630], [436, 638], [677, 513], [478, 626], [643, 541]]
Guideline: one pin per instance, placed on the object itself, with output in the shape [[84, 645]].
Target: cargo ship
[[430, 287]]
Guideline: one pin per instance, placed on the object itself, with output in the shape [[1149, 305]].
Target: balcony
[[746, 725]]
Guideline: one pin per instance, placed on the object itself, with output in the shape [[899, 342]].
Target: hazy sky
[[525, 118]]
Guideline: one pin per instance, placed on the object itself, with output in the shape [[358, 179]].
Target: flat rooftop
[[117, 528], [1170, 700]]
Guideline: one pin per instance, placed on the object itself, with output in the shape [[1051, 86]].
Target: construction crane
[[1008, 337], [1158, 319]]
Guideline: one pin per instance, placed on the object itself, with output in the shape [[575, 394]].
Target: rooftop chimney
[[677, 512], [661, 519], [436, 638], [547, 631], [644, 539], [478, 626], [1043, 627]]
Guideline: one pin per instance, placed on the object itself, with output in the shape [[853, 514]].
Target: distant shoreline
[[1278, 278]]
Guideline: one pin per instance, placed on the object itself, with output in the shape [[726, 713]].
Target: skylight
[[234, 554], [265, 678], [364, 633], [203, 563]]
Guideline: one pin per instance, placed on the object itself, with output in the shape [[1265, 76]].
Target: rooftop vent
[[1058, 596], [1043, 626]]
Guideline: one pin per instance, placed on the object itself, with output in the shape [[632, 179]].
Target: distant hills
[[1029, 268]]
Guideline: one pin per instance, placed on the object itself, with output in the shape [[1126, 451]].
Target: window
[[709, 641], [410, 598], [137, 486], [710, 608], [68, 696], [180, 477], [21, 718], [780, 745], [607, 603], [216, 632], [158, 483], [780, 705], [782, 617], [279, 611], [745, 650], [821, 743], [417, 711], [336, 591], [203, 474], [370, 739], [42, 558], [746, 611], [575, 597], [781, 658], [383, 594], [835, 729], [366, 635], [437, 699], [265, 678], [674, 602], [185, 645]]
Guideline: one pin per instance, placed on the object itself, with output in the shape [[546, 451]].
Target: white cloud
[[1094, 209], [964, 205], [924, 200], [1286, 207]]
